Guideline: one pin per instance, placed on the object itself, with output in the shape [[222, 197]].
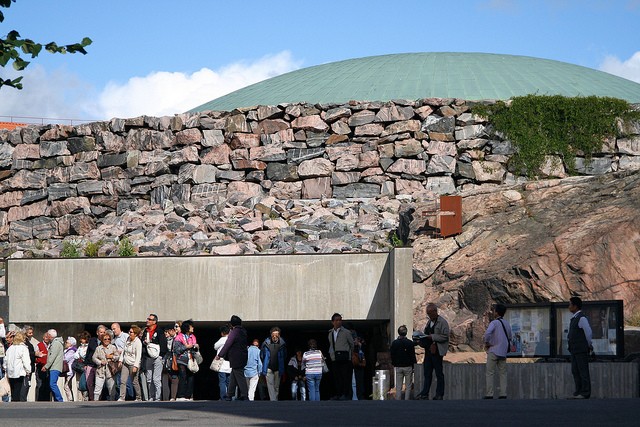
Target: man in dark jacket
[[579, 338], [235, 351], [273, 354], [28, 330], [403, 357]]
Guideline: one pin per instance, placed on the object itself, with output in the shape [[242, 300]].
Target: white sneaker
[[121, 400], [182, 399]]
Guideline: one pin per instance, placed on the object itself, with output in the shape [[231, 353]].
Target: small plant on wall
[[93, 248], [70, 249], [125, 247], [555, 125]]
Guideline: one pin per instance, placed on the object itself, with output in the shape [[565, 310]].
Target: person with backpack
[[497, 342]]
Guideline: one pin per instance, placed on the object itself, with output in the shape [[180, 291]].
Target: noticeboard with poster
[[530, 330], [606, 321], [540, 330]]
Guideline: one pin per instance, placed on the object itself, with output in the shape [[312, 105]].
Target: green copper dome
[[469, 76]]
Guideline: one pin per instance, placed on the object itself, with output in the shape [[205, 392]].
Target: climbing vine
[[540, 125]]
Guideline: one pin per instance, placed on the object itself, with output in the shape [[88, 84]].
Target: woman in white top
[[17, 365], [130, 363]]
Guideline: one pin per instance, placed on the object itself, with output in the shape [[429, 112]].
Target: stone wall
[[261, 179]]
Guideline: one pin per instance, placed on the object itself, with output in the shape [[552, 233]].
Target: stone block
[[189, 136], [282, 172], [361, 118], [356, 190], [79, 144], [311, 123], [89, 187], [316, 188], [596, 166], [53, 148], [106, 160], [408, 166], [286, 190]]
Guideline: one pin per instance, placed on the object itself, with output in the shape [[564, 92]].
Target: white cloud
[[166, 93], [63, 95], [58, 95], [629, 69]]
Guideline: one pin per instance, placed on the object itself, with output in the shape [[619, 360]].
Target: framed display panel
[[606, 319], [531, 329]]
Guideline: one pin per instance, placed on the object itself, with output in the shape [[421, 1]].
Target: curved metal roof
[[470, 76]]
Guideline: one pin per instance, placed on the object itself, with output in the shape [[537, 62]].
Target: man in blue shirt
[[497, 341]]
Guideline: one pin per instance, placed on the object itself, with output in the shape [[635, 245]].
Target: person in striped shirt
[[313, 363]]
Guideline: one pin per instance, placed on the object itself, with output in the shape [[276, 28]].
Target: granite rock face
[[300, 178]]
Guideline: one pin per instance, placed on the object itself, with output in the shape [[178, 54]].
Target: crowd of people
[[141, 363], [153, 363]]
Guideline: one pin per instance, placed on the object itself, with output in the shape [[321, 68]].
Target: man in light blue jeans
[[403, 357], [54, 363]]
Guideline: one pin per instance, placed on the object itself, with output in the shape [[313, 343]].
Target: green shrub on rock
[[555, 125]]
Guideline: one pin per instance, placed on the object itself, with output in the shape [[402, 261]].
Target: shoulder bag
[[5, 387], [216, 364], [192, 364]]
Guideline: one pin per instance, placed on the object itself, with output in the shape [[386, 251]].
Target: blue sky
[[164, 57]]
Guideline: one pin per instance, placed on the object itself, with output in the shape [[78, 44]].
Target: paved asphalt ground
[[518, 413]]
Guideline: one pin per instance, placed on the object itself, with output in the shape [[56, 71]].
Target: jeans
[[295, 385], [125, 375], [403, 373], [313, 384], [25, 387], [493, 363], [53, 384], [153, 369], [273, 384], [433, 362], [185, 382], [223, 383], [43, 391], [252, 383]]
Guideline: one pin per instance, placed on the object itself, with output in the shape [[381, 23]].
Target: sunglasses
[[151, 318], [106, 339], [131, 332]]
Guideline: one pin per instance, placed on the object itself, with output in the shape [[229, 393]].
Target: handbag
[[65, 367], [198, 357], [192, 365], [174, 362], [5, 387], [114, 368], [325, 368], [82, 383], [78, 366], [216, 364], [153, 350]]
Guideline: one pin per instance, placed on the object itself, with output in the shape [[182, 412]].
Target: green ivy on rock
[[541, 125]]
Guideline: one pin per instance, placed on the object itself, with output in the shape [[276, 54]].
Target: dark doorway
[[296, 335]]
